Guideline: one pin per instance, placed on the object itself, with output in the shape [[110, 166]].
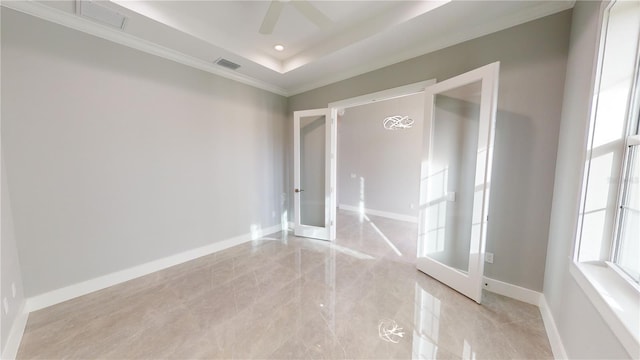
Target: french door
[[455, 180], [315, 173]]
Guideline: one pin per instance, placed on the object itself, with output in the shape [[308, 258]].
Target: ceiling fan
[[304, 7]]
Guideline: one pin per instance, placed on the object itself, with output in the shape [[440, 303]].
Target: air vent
[[93, 11], [228, 64]]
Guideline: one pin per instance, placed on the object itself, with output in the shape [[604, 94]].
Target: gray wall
[[116, 158], [386, 164], [533, 59], [582, 329]]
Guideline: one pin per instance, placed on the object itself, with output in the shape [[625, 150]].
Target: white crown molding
[[78, 23], [542, 10], [362, 30], [222, 40], [57, 296], [75, 22]]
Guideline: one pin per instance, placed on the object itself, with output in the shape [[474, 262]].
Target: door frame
[[383, 95], [334, 108]]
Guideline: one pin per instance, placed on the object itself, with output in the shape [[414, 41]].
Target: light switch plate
[[488, 257], [451, 196]]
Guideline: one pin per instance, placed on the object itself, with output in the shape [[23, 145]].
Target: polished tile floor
[[291, 298]]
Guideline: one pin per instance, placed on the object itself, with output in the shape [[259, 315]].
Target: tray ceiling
[[359, 36]]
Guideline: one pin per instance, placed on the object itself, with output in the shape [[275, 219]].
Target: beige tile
[[162, 337], [528, 339], [505, 310], [213, 307], [290, 298]]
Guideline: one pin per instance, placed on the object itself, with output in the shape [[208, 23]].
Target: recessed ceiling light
[[279, 47]]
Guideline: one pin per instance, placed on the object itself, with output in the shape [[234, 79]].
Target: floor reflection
[[384, 237], [286, 297], [427, 324]]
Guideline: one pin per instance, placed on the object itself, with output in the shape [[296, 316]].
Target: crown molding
[[502, 23], [75, 22]]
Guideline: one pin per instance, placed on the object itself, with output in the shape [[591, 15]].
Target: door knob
[[298, 190]]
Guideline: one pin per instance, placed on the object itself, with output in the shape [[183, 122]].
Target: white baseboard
[[552, 330], [385, 214], [15, 335], [72, 291], [513, 291]]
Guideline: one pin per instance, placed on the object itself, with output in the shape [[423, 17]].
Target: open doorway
[[379, 147]]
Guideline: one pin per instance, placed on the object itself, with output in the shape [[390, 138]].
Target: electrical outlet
[[488, 257], [412, 206], [353, 176], [13, 289], [5, 305]]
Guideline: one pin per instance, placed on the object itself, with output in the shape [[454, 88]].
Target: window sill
[[615, 298]]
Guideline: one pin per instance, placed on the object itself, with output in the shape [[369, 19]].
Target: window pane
[[618, 69], [599, 189], [629, 239], [592, 231], [612, 108], [600, 206]]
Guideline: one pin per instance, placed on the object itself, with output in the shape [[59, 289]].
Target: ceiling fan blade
[[312, 13], [271, 18]]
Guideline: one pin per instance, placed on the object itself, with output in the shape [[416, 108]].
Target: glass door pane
[[312, 170], [451, 179], [314, 144]]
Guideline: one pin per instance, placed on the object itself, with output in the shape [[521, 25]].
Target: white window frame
[[613, 293]]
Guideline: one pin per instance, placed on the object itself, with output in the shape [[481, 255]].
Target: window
[[609, 223], [606, 255]]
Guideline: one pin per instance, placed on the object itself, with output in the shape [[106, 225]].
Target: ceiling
[[359, 36]]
